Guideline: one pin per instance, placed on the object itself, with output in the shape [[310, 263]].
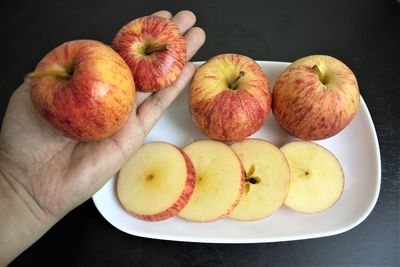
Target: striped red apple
[[315, 97], [229, 97], [84, 89], [154, 49]]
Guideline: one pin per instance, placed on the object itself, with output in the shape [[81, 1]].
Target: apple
[[84, 89], [219, 181], [315, 97], [229, 97], [157, 182], [266, 182], [154, 49], [316, 177]]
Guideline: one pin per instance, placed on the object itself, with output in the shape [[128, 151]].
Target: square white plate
[[356, 147]]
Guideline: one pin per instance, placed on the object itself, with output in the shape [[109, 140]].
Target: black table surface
[[363, 34]]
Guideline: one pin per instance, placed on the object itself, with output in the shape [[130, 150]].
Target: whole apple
[[84, 89], [315, 97], [155, 51], [229, 97]]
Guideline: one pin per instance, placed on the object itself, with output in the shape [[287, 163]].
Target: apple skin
[[227, 114], [157, 70], [311, 109], [182, 201], [95, 101]]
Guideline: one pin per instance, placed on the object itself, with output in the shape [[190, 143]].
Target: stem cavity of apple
[[60, 74], [320, 75], [154, 48], [234, 84]]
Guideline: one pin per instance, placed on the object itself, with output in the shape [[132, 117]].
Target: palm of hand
[[52, 165], [59, 173]]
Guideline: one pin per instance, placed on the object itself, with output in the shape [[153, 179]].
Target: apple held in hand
[[154, 50], [230, 97], [315, 97], [84, 89], [157, 182]]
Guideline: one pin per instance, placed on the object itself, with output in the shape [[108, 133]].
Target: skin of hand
[[44, 175]]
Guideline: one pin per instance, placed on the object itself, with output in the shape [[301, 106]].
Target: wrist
[[22, 220]]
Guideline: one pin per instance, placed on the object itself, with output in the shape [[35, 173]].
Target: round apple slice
[[266, 182], [219, 181], [316, 177], [157, 182]]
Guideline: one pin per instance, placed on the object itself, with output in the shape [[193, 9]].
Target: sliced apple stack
[[316, 180], [266, 182], [157, 182], [219, 181]]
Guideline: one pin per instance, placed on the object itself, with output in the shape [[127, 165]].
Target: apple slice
[[316, 177], [219, 181], [266, 182], [157, 182]]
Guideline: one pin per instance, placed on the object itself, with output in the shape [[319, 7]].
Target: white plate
[[356, 147]]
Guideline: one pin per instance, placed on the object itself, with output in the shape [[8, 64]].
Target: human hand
[[53, 174]]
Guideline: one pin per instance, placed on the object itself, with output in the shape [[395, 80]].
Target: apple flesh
[[229, 97], [157, 182], [219, 181], [266, 182], [316, 177], [315, 97], [155, 51], [84, 89]]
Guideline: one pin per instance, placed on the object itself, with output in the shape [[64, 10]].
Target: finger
[[194, 39], [140, 97], [163, 13], [151, 109], [184, 20]]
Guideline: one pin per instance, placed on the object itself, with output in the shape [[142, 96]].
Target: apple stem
[[318, 71], [233, 85], [57, 73], [150, 49]]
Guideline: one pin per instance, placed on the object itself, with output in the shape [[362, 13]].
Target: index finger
[[163, 13]]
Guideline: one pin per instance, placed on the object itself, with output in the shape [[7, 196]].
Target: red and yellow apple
[[229, 97], [266, 182], [315, 97], [154, 50], [84, 89], [157, 182], [219, 181], [316, 177]]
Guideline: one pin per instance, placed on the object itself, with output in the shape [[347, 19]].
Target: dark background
[[363, 34]]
